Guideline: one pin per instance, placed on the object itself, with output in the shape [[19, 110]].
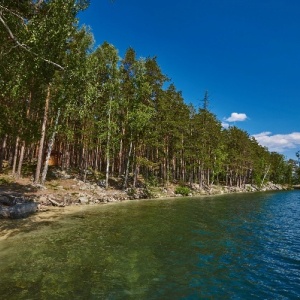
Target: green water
[[226, 247]]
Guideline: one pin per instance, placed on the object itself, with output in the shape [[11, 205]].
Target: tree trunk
[[208, 177], [85, 163], [2, 151], [265, 175], [19, 172], [15, 156], [107, 166], [43, 134], [121, 154], [136, 168], [200, 176], [50, 146], [18, 175], [108, 145], [127, 167], [182, 171], [167, 165]]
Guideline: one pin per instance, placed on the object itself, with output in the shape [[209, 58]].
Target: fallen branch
[[55, 203]]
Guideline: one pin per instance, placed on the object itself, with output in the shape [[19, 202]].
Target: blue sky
[[245, 53]]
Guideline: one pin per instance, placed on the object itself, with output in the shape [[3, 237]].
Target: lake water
[[243, 246]]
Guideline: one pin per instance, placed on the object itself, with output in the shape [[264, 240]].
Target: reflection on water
[[235, 246]]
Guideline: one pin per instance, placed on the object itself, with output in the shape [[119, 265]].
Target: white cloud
[[278, 142], [237, 117], [262, 134], [225, 125]]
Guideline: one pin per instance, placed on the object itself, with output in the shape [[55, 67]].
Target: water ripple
[[229, 247]]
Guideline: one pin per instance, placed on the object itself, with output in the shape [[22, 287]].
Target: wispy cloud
[[278, 142], [237, 117]]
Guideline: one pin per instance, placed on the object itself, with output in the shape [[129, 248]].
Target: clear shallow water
[[226, 247]]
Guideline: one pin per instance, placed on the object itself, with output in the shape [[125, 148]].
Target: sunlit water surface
[[244, 246]]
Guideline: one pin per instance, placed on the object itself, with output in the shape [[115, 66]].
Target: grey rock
[[20, 210], [7, 201], [83, 200], [43, 199]]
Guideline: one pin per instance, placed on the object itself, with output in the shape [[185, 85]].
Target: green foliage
[[119, 116], [131, 192], [152, 181], [5, 180], [28, 169], [182, 190]]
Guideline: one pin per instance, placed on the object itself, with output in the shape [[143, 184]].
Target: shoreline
[[54, 213], [68, 196]]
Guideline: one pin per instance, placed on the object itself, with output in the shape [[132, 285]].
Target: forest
[[112, 116]]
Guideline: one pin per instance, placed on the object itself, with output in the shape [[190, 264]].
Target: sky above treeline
[[246, 54]]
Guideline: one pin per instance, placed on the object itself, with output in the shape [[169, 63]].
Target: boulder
[[19, 210], [83, 200], [7, 201]]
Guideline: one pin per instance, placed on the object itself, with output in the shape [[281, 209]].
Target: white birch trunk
[[50, 146], [43, 134]]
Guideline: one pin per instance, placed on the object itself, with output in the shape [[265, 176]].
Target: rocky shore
[[18, 199]]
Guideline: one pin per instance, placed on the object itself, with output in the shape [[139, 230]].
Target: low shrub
[[152, 181], [182, 190], [4, 180]]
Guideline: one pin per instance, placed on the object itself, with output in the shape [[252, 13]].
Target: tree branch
[[24, 46], [13, 13]]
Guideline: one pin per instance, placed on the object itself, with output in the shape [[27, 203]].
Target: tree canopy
[[114, 116]]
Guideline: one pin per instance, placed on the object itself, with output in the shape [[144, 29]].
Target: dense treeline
[[114, 116]]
